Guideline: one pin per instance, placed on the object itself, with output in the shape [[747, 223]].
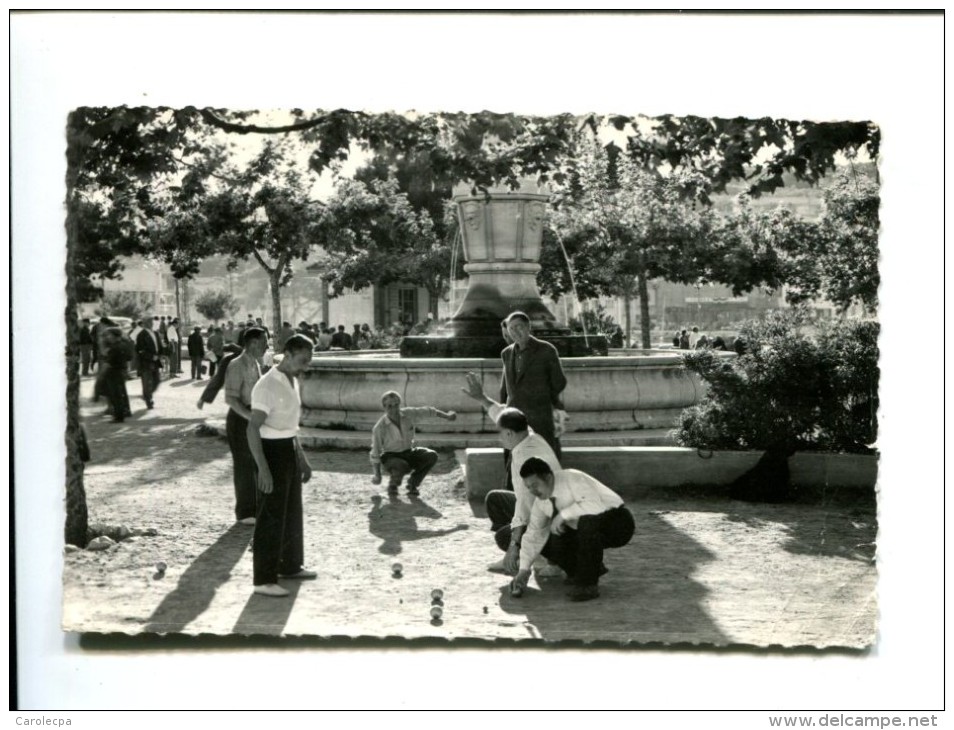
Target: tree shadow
[[266, 615], [197, 585], [395, 522], [649, 595]]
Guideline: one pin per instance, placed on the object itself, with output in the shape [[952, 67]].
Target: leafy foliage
[[122, 304], [216, 304], [792, 390]]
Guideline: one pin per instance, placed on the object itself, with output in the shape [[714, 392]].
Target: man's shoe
[[548, 570], [271, 589], [247, 521], [303, 574], [498, 567], [584, 593], [413, 491]]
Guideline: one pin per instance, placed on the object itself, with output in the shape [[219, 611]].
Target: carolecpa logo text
[[43, 720]]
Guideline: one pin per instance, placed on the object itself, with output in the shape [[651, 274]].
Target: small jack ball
[[161, 567], [437, 594], [436, 612]]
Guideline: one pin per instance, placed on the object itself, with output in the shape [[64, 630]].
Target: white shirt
[[171, 333], [275, 396], [533, 445], [576, 494]]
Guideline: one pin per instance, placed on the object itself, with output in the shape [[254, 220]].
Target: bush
[[216, 305], [798, 387]]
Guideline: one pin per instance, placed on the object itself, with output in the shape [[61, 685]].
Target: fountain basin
[[614, 393]]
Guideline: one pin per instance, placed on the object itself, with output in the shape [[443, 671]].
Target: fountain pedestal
[[502, 234]]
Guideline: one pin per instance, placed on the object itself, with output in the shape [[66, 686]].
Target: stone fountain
[[502, 234]]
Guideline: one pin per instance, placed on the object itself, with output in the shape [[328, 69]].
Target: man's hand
[[451, 415], [557, 525], [265, 485], [559, 422], [200, 404], [305, 469], [512, 559], [474, 387], [376, 479], [519, 584]]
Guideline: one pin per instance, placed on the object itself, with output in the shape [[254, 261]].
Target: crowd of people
[[693, 339], [546, 518]]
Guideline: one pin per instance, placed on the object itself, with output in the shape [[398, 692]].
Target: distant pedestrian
[[702, 343], [684, 340], [116, 361], [286, 332], [148, 348], [86, 346], [341, 339], [216, 350], [693, 338], [175, 348], [718, 343], [196, 347]]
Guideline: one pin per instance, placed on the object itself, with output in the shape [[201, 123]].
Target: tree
[[121, 304], [216, 305], [373, 235], [631, 225]]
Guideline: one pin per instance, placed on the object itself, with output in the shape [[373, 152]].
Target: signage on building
[[716, 300]]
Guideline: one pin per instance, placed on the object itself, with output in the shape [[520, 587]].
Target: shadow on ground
[[196, 587], [395, 522], [643, 600], [266, 615]]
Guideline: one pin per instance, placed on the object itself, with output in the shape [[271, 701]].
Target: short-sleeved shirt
[[387, 437], [274, 395], [242, 374]]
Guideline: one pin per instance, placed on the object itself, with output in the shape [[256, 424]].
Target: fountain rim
[[516, 195]]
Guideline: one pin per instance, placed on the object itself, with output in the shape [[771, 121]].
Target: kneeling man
[[573, 519]]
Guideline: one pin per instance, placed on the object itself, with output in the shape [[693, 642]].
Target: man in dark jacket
[[148, 348], [196, 347], [533, 380], [86, 345]]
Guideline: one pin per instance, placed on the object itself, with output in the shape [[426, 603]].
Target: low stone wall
[[603, 393], [634, 470]]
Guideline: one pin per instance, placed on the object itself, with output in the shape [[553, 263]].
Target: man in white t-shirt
[[282, 468]]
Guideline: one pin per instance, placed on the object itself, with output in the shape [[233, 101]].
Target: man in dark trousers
[[196, 346], [240, 378], [533, 380], [86, 345], [574, 518], [282, 468], [148, 349]]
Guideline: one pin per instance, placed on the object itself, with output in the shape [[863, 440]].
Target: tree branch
[[258, 257], [233, 180], [210, 118]]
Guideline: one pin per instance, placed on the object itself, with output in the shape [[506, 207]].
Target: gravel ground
[[702, 570]]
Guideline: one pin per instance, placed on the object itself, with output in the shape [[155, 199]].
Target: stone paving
[[700, 570]]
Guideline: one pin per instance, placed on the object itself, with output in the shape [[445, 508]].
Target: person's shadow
[[197, 585], [395, 522]]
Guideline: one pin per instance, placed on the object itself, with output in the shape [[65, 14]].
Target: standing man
[[216, 350], [286, 332], [147, 350], [196, 352], [282, 467], [240, 378], [86, 345], [533, 380], [573, 519], [341, 339], [261, 326], [175, 348]]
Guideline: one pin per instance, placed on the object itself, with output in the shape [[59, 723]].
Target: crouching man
[[573, 519]]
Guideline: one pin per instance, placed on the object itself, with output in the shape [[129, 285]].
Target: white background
[[884, 68]]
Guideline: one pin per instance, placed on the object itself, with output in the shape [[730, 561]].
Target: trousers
[[244, 471], [417, 462], [279, 526], [580, 551], [501, 505], [149, 374]]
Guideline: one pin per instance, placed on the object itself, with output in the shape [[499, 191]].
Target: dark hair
[[391, 394], [297, 343], [517, 315], [535, 467], [253, 333], [341, 328], [512, 419]]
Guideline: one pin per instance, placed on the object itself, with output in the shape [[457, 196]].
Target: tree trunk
[[275, 287], [178, 308], [628, 317], [77, 515], [644, 323]]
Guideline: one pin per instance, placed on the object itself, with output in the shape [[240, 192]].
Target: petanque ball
[[437, 594], [436, 612], [161, 567]]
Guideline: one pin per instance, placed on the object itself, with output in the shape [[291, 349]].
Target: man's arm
[[304, 466], [535, 537], [557, 379], [255, 446], [233, 390], [376, 450]]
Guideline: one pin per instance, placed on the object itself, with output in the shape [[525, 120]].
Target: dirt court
[[702, 570]]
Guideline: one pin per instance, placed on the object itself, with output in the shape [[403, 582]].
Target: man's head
[[197, 328], [258, 321], [175, 320], [341, 328], [695, 329], [512, 426], [538, 476], [255, 344], [286, 324], [298, 351], [391, 401], [518, 327], [150, 323]]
